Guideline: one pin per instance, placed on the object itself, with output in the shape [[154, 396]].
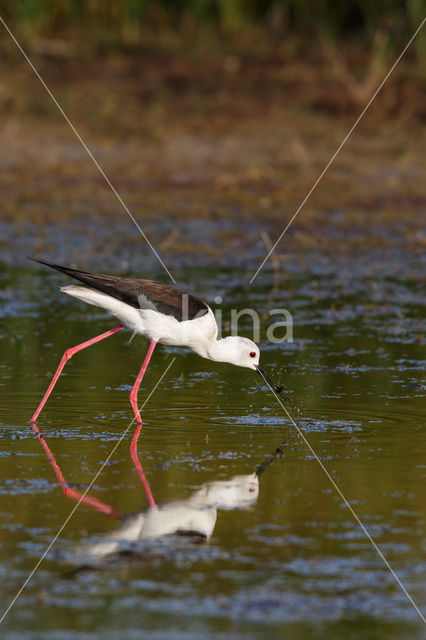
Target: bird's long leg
[[67, 355], [135, 389], [71, 493], [134, 443]]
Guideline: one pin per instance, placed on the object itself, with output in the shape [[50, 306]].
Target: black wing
[[141, 294]]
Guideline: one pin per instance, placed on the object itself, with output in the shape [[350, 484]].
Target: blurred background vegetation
[[208, 109], [126, 22]]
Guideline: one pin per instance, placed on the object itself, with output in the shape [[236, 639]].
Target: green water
[[295, 563]]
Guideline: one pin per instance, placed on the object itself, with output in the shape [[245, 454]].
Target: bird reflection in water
[[194, 516]]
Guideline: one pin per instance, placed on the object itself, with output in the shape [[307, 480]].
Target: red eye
[[252, 354]]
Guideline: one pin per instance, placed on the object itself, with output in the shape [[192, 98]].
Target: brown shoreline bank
[[226, 139]]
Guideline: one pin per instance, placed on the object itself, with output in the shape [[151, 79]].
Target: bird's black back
[[139, 293]]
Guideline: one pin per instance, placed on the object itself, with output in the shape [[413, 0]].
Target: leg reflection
[[68, 491], [138, 466]]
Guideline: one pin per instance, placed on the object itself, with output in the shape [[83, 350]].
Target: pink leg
[[67, 355], [134, 443], [135, 389], [71, 493]]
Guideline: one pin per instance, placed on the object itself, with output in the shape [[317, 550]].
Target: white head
[[237, 350], [241, 352], [239, 491]]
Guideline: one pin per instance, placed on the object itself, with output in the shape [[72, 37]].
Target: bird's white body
[[199, 334]]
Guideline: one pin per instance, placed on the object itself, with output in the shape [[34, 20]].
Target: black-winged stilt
[[161, 312]]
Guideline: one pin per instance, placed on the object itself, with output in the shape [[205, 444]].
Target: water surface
[[291, 563]]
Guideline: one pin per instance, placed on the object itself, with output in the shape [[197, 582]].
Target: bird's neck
[[218, 350]]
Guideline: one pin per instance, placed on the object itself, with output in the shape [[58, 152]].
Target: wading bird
[[163, 314]]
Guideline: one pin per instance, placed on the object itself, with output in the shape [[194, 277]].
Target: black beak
[[277, 388]]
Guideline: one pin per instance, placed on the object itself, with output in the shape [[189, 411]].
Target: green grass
[[115, 24], [113, 18]]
